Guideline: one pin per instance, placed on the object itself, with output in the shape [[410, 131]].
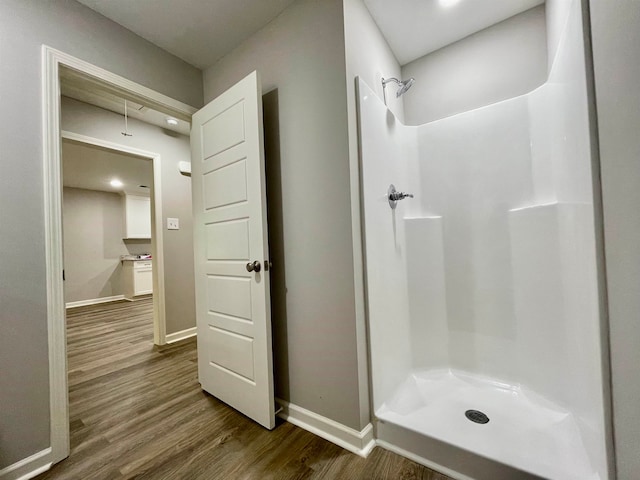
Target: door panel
[[230, 231], [228, 240], [224, 130], [226, 185], [232, 351], [229, 295]]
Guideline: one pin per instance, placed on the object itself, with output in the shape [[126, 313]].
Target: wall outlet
[[173, 224]]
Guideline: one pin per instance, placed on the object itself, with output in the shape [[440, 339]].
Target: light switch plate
[[173, 224]]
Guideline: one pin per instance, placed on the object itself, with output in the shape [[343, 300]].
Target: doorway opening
[[58, 68], [131, 251]]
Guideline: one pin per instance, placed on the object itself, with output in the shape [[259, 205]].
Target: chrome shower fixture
[[403, 86], [394, 196]]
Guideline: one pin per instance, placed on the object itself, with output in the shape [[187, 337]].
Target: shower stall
[[482, 289]]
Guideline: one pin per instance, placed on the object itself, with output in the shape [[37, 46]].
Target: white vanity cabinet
[[137, 277], [137, 216]]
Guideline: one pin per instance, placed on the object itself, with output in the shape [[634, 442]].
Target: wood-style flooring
[[137, 411]]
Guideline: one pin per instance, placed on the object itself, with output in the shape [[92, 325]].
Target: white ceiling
[[414, 28], [92, 168], [198, 31]]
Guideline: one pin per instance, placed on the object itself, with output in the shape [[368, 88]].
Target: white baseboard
[[29, 467], [181, 335], [94, 301], [422, 461], [361, 443]]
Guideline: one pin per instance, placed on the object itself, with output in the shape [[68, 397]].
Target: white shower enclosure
[[482, 290]]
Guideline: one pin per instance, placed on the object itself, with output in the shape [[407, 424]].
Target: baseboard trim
[[361, 443], [28, 467], [422, 461], [181, 335], [94, 301]]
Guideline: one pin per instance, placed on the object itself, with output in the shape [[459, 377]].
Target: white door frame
[[52, 61]]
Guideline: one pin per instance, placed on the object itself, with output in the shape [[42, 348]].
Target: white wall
[[24, 26], [300, 58], [85, 119], [616, 49], [93, 224], [500, 62]]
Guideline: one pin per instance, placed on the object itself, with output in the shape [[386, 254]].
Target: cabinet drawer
[[144, 264]]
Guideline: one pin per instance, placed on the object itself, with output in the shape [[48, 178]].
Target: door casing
[[52, 61]]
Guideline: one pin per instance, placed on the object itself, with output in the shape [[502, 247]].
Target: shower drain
[[476, 416]]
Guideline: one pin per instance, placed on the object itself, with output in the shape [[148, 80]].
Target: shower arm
[[384, 86], [390, 79]]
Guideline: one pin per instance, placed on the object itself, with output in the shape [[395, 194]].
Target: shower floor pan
[[525, 431]]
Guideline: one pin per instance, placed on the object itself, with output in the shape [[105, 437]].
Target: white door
[[230, 239]]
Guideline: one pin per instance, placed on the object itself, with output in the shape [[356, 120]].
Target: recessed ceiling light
[[448, 3], [172, 121], [116, 183]]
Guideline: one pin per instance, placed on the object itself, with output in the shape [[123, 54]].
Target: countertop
[[135, 258]]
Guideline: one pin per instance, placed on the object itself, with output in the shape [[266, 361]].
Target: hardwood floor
[[137, 411]]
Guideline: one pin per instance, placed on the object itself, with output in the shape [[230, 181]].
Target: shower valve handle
[[394, 195], [400, 196]]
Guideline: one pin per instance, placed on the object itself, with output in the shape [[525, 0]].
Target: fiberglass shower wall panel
[[475, 167], [387, 151], [557, 14], [541, 127], [427, 292], [555, 297], [559, 114], [553, 241], [568, 119], [540, 300]]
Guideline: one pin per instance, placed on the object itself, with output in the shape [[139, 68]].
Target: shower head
[[403, 85]]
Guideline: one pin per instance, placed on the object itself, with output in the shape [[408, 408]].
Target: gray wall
[[500, 62], [368, 56], [24, 26], [79, 117], [616, 49], [300, 57], [93, 225]]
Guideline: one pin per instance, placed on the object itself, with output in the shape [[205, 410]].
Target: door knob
[[253, 266]]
